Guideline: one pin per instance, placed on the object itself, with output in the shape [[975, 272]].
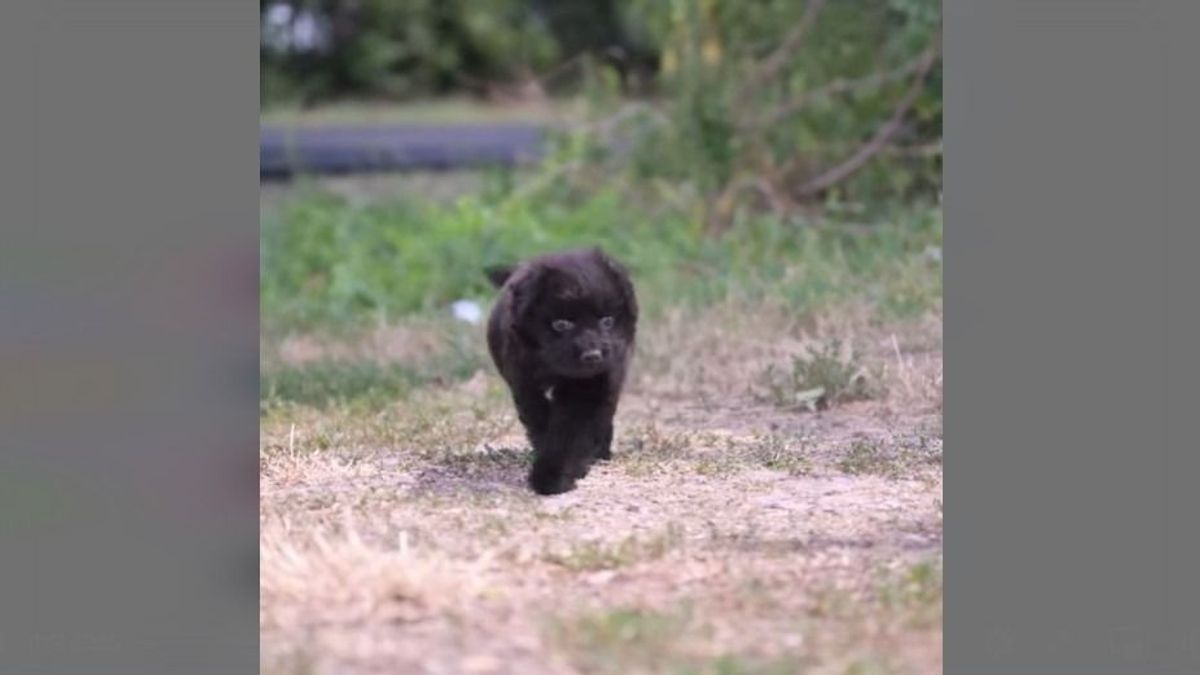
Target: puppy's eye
[[562, 325], [606, 322]]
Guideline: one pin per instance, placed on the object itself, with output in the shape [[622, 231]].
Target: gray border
[[1070, 311], [1070, 330], [129, 337]]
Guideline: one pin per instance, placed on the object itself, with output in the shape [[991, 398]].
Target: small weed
[[773, 452], [648, 449], [915, 593], [768, 452], [873, 458], [652, 441], [711, 464], [469, 462], [822, 375]]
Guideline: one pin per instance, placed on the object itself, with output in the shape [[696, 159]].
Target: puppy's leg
[[558, 452], [532, 407], [603, 450], [604, 447], [564, 452]]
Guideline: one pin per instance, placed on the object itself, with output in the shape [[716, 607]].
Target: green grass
[[334, 382], [329, 382], [332, 266], [327, 262]]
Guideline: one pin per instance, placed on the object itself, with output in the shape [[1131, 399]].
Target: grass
[[652, 445], [441, 427], [623, 640], [392, 467], [349, 545], [335, 268], [331, 382], [779, 454], [369, 369], [772, 451], [327, 262], [905, 602], [915, 593], [598, 555], [891, 461]]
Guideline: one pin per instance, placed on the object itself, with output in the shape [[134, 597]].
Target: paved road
[[340, 150]]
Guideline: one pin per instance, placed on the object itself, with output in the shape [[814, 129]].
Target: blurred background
[[408, 143]]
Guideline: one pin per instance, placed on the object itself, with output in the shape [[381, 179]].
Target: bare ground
[[728, 535]]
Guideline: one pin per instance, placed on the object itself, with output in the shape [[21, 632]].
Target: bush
[[771, 104], [409, 48], [383, 48]]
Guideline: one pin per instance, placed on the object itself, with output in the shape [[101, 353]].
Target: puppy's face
[[578, 313]]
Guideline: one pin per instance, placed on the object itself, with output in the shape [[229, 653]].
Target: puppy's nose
[[591, 356]]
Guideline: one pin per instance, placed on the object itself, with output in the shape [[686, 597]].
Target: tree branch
[[791, 43], [879, 140], [837, 88]]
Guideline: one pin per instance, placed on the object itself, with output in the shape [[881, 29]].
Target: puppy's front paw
[[581, 470], [603, 453], [547, 480]]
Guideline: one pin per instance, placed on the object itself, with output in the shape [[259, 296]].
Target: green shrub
[[385, 48]]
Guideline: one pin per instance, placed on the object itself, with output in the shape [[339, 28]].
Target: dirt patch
[[726, 536]]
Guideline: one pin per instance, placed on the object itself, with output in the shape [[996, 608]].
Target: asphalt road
[[284, 152]]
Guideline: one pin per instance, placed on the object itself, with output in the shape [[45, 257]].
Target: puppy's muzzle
[[591, 357]]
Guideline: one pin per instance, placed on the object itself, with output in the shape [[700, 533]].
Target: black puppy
[[561, 335]]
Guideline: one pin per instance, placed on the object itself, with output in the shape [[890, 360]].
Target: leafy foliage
[[404, 49], [763, 100]]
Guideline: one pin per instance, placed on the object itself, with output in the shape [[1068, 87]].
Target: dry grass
[[727, 536]]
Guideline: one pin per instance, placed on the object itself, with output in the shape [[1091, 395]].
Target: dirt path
[[730, 538]]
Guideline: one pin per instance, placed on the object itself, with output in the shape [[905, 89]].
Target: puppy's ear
[[525, 289], [498, 274], [620, 275]]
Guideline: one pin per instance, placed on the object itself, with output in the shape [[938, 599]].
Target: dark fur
[[566, 404]]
